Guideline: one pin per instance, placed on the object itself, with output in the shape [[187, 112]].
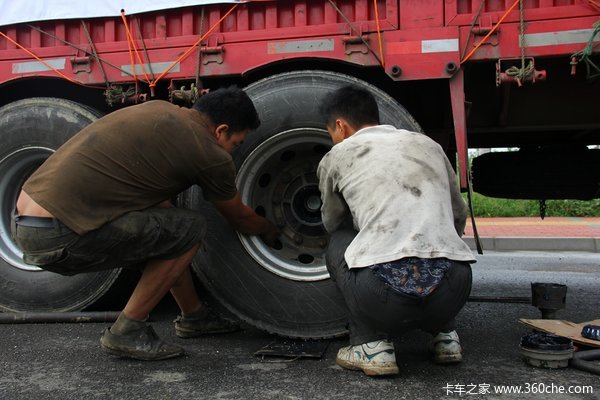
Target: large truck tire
[[286, 290], [31, 130]]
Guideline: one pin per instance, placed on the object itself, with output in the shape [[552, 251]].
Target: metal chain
[[139, 31], [465, 49], [356, 31], [199, 62], [35, 28], [95, 53]]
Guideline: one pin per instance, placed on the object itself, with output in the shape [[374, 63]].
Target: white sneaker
[[373, 358], [447, 348]]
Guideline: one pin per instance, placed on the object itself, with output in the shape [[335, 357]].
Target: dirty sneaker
[[140, 344], [209, 323], [373, 358], [447, 348]]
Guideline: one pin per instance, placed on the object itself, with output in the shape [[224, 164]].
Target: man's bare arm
[[245, 220]]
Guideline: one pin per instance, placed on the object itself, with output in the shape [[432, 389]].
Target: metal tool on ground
[[58, 317], [287, 350], [546, 350], [549, 298]]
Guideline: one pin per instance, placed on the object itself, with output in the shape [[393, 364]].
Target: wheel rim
[[278, 179], [14, 169]]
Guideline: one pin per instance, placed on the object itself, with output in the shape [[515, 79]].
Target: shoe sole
[[369, 370], [141, 356]]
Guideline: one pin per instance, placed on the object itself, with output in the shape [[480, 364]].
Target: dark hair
[[230, 106], [354, 104]]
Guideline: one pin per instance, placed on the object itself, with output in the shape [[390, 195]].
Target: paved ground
[[549, 234], [536, 227], [63, 361]]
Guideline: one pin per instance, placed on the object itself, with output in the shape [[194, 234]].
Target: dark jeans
[[129, 241], [377, 311]]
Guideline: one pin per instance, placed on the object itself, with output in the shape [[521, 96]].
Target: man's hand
[[246, 221], [271, 236]]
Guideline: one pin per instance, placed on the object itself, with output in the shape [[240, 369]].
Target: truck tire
[[30, 130], [286, 290]]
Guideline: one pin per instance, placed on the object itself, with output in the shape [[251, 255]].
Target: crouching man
[[403, 266], [102, 201]]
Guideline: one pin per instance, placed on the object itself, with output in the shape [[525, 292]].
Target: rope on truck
[[95, 53], [494, 29], [358, 34], [63, 41], [132, 50], [46, 63], [592, 69], [526, 71], [379, 34]]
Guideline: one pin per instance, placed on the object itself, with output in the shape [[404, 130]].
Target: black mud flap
[[539, 174]]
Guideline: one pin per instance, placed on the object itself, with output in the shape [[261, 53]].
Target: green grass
[[493, 207]]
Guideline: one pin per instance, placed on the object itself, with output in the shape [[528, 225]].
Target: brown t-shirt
[[130, 160]]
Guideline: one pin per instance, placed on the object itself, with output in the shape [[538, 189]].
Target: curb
[[554, 244]]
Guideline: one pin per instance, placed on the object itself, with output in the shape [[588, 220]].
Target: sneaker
[[447, 348], [373, 358], [141, 344], [186, 327]]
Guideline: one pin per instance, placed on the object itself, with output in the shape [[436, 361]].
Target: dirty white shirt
[[402, 194]]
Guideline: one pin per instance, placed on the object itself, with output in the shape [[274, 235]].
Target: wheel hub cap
[[279, 180]]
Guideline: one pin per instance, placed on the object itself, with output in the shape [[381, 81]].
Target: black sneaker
[[186, 327], [142, 344]]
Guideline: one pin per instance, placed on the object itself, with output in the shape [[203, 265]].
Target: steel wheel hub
[[279, 180]]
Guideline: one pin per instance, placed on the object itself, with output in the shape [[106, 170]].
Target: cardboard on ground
[[563, 328]]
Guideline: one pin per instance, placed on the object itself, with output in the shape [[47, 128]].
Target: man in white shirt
[[402, 265]]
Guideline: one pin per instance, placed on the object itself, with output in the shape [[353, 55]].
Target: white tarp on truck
[[14, 11]]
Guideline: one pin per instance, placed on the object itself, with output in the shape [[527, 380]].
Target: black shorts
[[129, 241]]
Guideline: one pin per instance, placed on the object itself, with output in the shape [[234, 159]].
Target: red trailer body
[[471, 73]]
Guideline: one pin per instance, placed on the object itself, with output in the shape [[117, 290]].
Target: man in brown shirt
[[102, 201]]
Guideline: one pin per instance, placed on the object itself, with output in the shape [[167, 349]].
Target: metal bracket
[[486, 24], [357, 43], [213, 51], [81, 64]]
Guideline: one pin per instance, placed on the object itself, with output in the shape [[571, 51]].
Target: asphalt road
[[64, 361]]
